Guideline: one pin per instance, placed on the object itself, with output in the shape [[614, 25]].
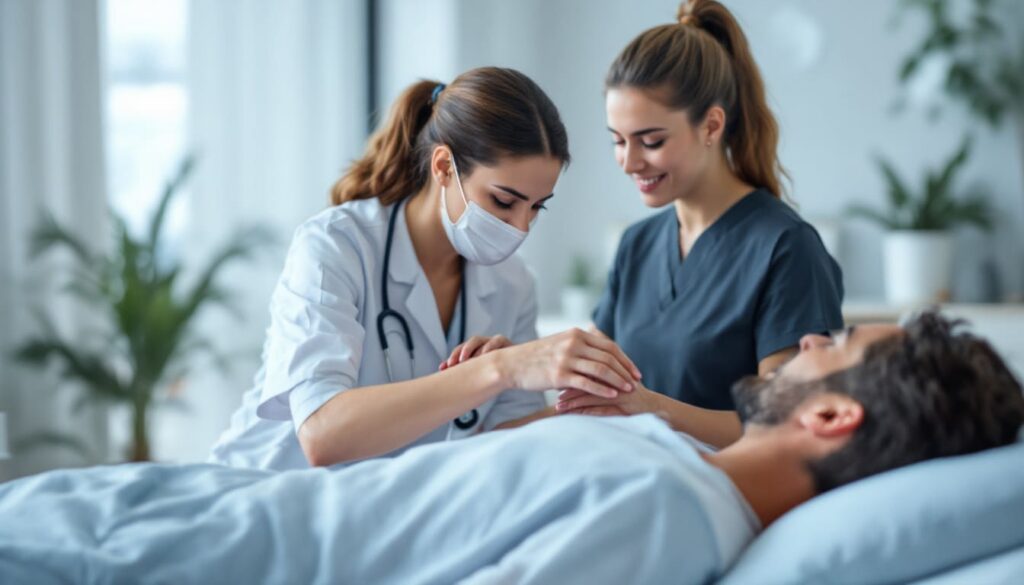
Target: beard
[[770, 401]]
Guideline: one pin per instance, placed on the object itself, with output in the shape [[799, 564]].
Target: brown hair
[[485, 114], [935, 391], [703, 61]]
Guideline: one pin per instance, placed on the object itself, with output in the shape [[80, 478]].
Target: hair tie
[[437, 91], [686, 14]]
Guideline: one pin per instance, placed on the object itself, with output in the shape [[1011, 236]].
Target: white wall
[[835, 112], [418, 40]]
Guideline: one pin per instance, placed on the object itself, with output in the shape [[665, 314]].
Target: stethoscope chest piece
[[467, 420]]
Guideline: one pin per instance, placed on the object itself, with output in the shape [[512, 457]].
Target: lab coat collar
[[404, 267], [421, 305]]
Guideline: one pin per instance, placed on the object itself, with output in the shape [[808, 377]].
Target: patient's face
[[770, 400], [822, 355]]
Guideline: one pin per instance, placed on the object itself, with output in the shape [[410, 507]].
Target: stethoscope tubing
[[465, 421]]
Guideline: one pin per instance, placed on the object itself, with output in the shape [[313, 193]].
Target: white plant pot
[[577, 303], [918, 266]]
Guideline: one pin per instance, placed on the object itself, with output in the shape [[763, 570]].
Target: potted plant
[[968, 50], [148, 336], [918, 248], [578, 294]]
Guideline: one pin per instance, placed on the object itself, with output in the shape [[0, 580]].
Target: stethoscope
[[466, 421]]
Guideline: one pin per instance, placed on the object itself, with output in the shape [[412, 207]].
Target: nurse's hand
[[472, 347], [575, 401], [571, 359]]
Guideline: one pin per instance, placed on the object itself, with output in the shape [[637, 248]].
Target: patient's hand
[[607, 410], [473, 347], [640, 400]]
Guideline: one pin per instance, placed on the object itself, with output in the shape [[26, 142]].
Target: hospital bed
[[951, 521]]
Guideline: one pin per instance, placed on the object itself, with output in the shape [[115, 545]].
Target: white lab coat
[[323, 339]]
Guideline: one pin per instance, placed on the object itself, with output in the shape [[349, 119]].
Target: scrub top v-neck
[[752, 284]]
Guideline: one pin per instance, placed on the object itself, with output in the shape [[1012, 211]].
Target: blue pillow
[[897, 526]]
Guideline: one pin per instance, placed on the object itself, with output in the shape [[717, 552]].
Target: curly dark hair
[[935, 391]]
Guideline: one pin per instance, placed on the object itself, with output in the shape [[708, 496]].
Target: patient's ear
[[830, 415]]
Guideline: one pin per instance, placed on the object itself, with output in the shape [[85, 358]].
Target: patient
[[569, 499]]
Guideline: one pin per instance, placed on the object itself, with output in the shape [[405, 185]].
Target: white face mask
[[479, 236]]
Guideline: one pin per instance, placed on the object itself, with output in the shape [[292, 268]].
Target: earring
[[708, 143]]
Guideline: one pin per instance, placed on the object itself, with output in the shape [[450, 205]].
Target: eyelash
[[651, 146], [503, 205]]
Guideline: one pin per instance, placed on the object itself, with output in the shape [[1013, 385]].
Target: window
[[147, 105]]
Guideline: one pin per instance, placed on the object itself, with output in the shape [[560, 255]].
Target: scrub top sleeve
[[513, 404], [604, 315], [315, 339], [803, 292]]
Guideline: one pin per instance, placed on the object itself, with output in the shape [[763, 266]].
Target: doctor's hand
[[576, 401], [572, 359], [472, 347]]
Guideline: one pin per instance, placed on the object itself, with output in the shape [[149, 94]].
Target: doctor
[[413, 260]]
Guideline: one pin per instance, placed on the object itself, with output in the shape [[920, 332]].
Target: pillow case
[[897, 526]]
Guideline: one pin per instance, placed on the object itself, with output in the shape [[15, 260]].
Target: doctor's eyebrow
[[638, 132], [515, 193]]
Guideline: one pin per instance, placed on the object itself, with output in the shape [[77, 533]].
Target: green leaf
[[955, 163], [48, 234], [52, 439], [243, 245], [975, 211], [76, 364], [179, 178], [909, 66], [898, 193]]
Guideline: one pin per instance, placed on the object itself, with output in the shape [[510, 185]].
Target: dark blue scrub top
[[753, 283]]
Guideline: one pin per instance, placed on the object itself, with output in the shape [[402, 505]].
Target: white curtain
[[278, 110], [52, 156]]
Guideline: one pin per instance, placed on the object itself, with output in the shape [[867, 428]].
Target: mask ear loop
[[444, 192], [458, 179]]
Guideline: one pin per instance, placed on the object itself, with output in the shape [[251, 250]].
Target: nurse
[[414, 258], [724, 282]]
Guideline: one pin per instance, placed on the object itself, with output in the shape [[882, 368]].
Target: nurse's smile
[[648, 184]]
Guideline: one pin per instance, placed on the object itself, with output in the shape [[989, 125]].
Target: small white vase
[[918, 266]]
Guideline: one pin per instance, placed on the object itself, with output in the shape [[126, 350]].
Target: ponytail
[[388, 168], [483, 115], [704, 60]]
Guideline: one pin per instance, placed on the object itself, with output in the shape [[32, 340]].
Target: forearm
[[718, 428], [373, 420]]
